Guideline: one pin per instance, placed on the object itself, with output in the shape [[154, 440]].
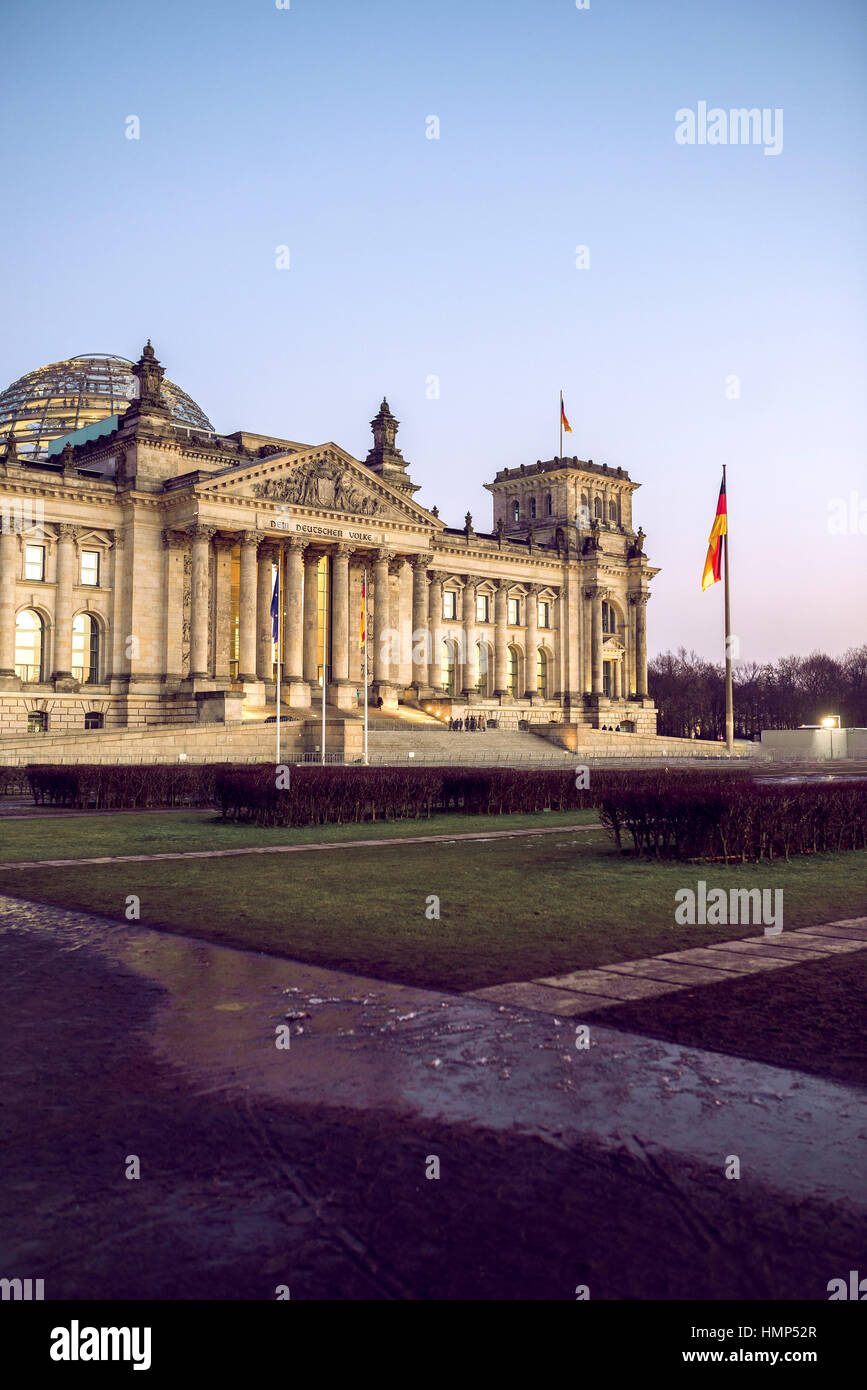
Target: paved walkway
[[300, 849], [585, 992]]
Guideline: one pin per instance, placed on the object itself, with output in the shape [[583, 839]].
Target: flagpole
[[560, 455], [325, 597], [730, 717], [279, 641], [364, 620]]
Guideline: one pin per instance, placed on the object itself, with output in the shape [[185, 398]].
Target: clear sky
[[456, 257]]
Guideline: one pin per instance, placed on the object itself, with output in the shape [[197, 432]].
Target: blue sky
[[412, 257]]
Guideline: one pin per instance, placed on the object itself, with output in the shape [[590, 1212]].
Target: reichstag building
[[139, 552]]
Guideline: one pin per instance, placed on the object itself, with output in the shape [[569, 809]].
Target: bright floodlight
[[831, 721]]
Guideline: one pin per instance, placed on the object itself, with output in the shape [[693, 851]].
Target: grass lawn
[[509, 909], [156, 832]]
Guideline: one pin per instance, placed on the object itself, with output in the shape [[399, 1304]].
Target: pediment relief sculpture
[[324, 485]]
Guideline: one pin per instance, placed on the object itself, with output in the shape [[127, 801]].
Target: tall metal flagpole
[[560, 455], [324, 649], [730, 715], [279, 640], [364, 622]]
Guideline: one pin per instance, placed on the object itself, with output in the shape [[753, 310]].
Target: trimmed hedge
[[716, 815]]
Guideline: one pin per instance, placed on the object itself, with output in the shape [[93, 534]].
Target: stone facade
[[137, 572]]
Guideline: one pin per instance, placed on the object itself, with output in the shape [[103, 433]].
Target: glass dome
[[64, 396]]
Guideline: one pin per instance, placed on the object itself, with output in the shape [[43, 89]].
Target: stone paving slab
[[806, 944], [736, 963], [760, 945], [609, 984], [856, 928], [655, 969], [546, 1001]]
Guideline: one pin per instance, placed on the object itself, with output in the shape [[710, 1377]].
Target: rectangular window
[[34, 562], [90, 566], [514, 612], [481, 608], [544, 613], [450, 604]]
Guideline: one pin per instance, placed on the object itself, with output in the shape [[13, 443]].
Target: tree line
[[689, 693]]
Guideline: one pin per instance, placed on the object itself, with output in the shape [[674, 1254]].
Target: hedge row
[[718, 815], [106, 786], [737, 820]]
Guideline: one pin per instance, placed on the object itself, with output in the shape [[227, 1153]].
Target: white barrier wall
[[815, 745]]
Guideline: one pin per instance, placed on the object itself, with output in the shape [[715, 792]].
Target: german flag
[[713, 564], [563, 421], [361, 633]]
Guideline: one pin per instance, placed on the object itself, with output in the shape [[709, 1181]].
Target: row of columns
[[638, 610]]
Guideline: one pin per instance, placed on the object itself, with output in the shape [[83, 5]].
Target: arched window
[[85, 649], [542, 674], [549, 505], [532, 507], [609, 618], [449, 672], [612, 511], [29, 646], [512, 673], [483, 666], [516, 510], [597, 508]]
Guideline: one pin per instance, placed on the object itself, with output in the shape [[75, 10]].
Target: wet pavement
[[307, 1165]]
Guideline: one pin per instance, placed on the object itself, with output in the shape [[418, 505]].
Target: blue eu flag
[[275, 608]]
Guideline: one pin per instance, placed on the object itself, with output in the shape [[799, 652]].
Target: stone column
[[63, 603], [421, 637], [247, 607], [264, 622], [435, 619], [470, 666], [595, 596], [341, 693], [311, 617], [531, 645], [381, 616], [501, 639], [396, 569], [640, 601], [201, 601], [9, 556], [294, 689], [173, 661], [221, 609]]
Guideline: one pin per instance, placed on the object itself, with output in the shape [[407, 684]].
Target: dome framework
[[64, 396]]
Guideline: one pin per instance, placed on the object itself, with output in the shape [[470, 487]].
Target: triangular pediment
[[321, 479]]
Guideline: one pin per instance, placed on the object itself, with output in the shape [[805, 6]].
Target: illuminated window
[[37, 722], [516, 511], [450, 604], [34, 562], [90, 566], [512, 672], [544, 613], [514, 615], [449, 672], [29, 646], [482, 608], [85, 649]]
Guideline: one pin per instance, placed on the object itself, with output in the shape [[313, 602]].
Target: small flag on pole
[[362, 634], [275, 608], [563, 421], [713, 564]]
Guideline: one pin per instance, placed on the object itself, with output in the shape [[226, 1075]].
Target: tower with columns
[[139, 570]]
